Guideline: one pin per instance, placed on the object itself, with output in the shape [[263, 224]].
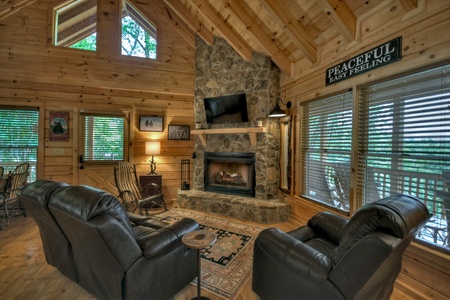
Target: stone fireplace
[[221, 71]]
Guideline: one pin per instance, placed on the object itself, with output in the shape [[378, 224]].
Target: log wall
[[35, 73]]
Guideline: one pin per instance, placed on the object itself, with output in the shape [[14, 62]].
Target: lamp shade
[[152, 148], [277, 112]]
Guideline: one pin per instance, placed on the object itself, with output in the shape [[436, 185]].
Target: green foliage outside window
[[136, 41], [89, 43], [103, 138]]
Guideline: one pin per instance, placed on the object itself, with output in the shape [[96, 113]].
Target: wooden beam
[[179, 25], [10, 7], [177, 7], [412, 8], [341, 16], [280, 59], [408, 5], [231, 36], [281, 13]]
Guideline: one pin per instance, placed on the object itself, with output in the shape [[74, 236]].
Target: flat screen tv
[[226, 109]]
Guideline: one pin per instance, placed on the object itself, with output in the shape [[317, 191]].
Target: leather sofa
[[111, 253], [335, 258]]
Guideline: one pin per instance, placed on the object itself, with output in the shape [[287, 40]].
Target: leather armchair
[[335, 258], [119, 258]]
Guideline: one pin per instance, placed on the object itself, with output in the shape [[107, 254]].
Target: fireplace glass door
[[230, 173]]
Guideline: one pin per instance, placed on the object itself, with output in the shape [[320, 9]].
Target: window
[[138, 34], [326, 150], [75, 24], [102, 137], [19, 139], [404, 143]]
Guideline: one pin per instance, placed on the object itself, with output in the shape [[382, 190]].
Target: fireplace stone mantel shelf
[[251, 131], [243, 208]]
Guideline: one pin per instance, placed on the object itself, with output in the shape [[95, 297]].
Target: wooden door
[[98, 176], [100, 173]]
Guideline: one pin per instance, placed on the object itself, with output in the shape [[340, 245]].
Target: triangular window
[[76, 24], [138, 34]]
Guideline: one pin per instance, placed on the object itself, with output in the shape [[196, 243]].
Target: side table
[[199, 239], [146, 179]]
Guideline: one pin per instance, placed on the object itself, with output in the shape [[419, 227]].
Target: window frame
[[158, 29], [356, 171], [326, 187], [34, 174], [82, 144], [411, 89], [54, 28]]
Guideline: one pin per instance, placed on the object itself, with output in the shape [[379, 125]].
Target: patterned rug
[[226, 265]]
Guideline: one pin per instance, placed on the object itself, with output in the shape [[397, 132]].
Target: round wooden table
[[199, 239]]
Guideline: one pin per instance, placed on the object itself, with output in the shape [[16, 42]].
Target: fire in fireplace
[[230, 173]]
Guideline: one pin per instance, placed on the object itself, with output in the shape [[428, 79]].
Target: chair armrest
[[165, 240], [150, 199], [137, 219], [153, 223], [152, 188], [158, 242], [183, 226], [297, 257], [328, 225]]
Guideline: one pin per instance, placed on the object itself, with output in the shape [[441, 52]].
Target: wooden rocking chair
[[15, 182], [132, 195]]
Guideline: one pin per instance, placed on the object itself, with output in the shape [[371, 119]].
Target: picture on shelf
[[153, 123], [179, 132]]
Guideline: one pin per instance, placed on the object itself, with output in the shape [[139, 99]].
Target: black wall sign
[[372, 59]]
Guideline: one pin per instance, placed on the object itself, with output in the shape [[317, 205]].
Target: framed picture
[[151, 123], [59, 131], [179, 132]]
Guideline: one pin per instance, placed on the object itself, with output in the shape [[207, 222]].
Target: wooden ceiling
[[285, 30]]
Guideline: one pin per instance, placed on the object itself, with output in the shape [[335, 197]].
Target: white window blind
[[19, 138], [103, 137], [326, 150], [404, 140]]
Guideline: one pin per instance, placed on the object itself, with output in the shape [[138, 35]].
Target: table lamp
[[152, 148]]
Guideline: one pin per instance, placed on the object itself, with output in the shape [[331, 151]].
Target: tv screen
[[226, 109]]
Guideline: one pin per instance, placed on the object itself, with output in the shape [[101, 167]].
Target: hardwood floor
[[24, 273]]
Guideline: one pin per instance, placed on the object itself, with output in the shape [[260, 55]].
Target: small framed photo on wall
[[179, 132], [151, 123]]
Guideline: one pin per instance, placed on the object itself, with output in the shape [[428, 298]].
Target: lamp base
[[152, 167]]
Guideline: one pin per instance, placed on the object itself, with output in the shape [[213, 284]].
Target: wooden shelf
[[251, 131]]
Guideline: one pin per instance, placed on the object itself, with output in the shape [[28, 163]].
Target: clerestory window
[[75, 24], [139, 35]]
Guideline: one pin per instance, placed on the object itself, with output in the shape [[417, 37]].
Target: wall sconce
[[277, 112], [152, 148]]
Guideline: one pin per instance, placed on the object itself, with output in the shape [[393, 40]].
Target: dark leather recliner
[[335, 258], [114, 254], [57, 249]]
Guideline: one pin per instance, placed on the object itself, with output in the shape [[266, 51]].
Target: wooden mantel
[[251, 131]]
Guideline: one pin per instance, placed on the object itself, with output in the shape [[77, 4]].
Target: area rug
[[226, 265]]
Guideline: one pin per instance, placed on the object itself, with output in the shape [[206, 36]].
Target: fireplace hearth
[[230, 173]]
